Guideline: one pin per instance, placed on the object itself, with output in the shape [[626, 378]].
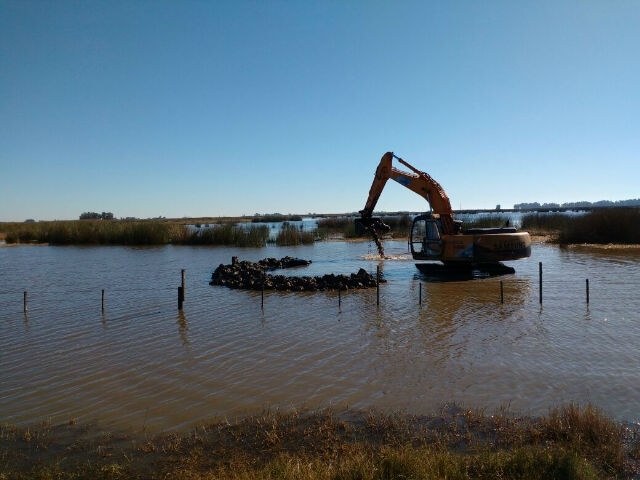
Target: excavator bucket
[[368, 224]]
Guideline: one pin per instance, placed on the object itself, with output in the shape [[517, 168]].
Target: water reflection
[[183, 328]]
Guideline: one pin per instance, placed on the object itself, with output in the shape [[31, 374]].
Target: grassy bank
[[456, 443]]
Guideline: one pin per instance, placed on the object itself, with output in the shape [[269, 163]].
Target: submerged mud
[[253, 276]]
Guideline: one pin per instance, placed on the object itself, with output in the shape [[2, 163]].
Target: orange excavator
[[437, 236]]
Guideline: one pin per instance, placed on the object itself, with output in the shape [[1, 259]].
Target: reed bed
[[227, 234], [90, 232], [455, 443], [487, 221], [345, 226], [336, 226], [611, 225], [142, 232], [546, 223], [276, 218], [619, 225], [290, 235]]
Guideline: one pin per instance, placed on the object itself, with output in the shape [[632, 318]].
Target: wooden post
[[378, 285], [183, 289], [25, 302], [540, 275], [103, 299], [262, 296], [419, 293], [501, 292], [180, 298], [587, 291]]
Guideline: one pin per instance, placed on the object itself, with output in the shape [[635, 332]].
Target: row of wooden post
[[502, 288], [181, 291]]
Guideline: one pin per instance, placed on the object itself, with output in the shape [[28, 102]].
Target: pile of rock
[[252, 276], [285, 262]]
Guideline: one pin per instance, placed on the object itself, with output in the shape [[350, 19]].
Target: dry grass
[[456, 443]]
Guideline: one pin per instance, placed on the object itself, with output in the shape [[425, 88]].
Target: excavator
[[436, 239]]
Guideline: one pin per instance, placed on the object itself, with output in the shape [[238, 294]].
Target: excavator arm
[[416, 181]]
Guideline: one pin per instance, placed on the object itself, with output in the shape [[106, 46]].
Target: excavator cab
[[425, 240]]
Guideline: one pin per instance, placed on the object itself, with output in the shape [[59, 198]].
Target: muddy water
[[142, 365]]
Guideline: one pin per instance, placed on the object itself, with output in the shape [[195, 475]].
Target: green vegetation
[[226, 234], [88, 232], [456, 443], [546, 223], [133, 232], [487, 221], [611, 225], [620, 225], [336, 226], [345, 226], [291, 235], [275, 218]]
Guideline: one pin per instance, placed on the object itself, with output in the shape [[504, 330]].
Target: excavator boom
[[418, 182]]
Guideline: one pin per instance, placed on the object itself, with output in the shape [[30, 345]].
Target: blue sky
[[225, 108]]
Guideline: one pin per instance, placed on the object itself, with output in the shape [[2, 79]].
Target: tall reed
[[546, 222], [91, 232], [486, 221], [290, 235], [603, 226], [345, 226], [228, 234], [276, 218]]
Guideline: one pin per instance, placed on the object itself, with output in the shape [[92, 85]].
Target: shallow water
[[141, 364]]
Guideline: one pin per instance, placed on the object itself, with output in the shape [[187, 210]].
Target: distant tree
[[526, 206], [96, 216]]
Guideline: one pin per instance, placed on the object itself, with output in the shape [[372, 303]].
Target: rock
[[253, 276]]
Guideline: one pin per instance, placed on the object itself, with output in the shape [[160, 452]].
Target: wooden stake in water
[[587, 291], [419, 293], [180, 298], [540, 275], [378, 285], [183, 289], [25, 302], [501, 292], [103, 299]]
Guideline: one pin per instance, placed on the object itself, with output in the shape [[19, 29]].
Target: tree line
[[96, 216], [602, 203]]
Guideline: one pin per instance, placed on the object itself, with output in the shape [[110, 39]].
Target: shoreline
[[330, 438]]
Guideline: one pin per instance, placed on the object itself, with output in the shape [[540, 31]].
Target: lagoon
[[141, 365]]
